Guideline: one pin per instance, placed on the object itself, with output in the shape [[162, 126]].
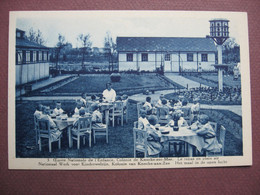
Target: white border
[[32, 163]]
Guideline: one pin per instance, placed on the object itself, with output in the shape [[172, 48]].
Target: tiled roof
[[131, 44], [21, 42]]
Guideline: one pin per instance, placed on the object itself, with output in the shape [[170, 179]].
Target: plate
[[165, 132]]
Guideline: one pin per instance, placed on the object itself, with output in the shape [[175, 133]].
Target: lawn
[[95, 83], [120, 138]]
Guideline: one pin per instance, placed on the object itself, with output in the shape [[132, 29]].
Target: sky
[[122, 23]]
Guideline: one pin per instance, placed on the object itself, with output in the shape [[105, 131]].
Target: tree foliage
[[84, 40], [231, 51], [110, 48], [35, 36]]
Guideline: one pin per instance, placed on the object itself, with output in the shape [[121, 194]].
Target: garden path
[[175, 77]]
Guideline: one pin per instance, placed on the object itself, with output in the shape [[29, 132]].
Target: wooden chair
[[36, 129], [88, 107], [221, 140], [126, 105], [82, 128], [162, 115], [139, 106], [44, 131], [140, 140], [117, 111], [101, 130]]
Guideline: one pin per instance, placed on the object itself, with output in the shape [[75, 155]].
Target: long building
[[32, 60], [174, 54]]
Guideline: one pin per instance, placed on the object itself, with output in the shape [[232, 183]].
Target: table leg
[[70, 140], [190, 150]]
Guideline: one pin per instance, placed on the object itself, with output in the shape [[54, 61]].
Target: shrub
[[115, 77]]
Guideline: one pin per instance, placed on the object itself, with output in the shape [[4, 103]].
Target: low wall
[[26, 73]]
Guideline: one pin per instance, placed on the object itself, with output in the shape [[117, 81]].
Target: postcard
[[93, 90]]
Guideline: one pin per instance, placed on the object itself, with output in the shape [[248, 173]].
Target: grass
[[96, 83], [120, 138]]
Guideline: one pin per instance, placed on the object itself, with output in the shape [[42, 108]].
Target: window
[[190, 57], [19, 57], [28, 54], [144, 57], [204, 57], [167, 57], [31, 56], [129, 57], [40, 56]]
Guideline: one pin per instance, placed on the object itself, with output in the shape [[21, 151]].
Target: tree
[[61, 43], [110, 48], [35, 36], [85, 42], [231, 51]]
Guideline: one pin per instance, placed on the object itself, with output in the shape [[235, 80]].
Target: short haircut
[[58, 102], [164, 101], [108, 84], [148, 99], [184, 102], [93, 97], [142, 111], [82, 112], [84, 93], [152, 120]]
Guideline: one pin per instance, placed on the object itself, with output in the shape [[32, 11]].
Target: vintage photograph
[[125, 89]]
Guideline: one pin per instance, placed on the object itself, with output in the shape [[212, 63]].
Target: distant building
[[172, 53], [32, 60]]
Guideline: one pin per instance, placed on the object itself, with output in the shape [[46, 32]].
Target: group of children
[[199, 123]]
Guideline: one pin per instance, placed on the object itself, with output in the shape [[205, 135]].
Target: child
[[58, 110], [204, 129], [78, 107], [97, 117], [142, 121], [38, 111], [159, 103], [83, 99], [55, 132], [154, 146], [148, 106]]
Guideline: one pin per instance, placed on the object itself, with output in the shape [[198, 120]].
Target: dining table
[[185, 134]]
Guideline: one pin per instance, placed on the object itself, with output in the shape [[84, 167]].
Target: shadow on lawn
[[120, 138]]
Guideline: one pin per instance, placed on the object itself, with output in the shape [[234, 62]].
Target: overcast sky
[[122, 23]]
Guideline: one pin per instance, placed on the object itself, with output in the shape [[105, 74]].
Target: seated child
[[83, 99], [58, 110], [38, 111], [82, 114], [148, 106], [203, 128], [154, 146], [78, 107], [142, 121], [97, 117], [176, 116], [159, 103], [55, 132]]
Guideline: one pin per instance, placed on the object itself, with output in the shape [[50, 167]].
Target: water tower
[[219, 32]]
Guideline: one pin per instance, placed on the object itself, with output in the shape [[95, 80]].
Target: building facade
[[171, 53], [32, 60]]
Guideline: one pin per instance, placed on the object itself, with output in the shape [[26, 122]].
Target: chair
[[88, 107], [126, 104], [139, 106], [162, 115], [82, 128], [36, 128], [221, 140], [187, 114], [117, 111], [140, 140], [99, 130], [213, 125], [44, 131]]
